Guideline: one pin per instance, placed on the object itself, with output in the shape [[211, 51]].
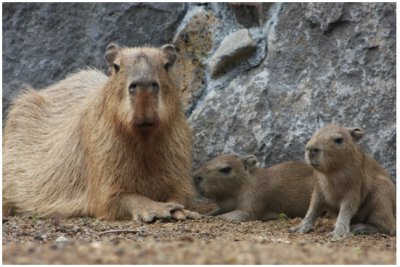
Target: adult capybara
[[349, 183], [246, 192], [98, 146]]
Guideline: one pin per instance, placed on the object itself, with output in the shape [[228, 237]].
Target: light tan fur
[[350, 184], [246, 192], [87, 146]]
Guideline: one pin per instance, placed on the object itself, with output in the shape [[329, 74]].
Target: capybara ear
[[249, 162], [169, 52], [111, 55], [356, 133]]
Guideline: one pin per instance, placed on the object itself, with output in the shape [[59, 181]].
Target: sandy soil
[[206, 241]]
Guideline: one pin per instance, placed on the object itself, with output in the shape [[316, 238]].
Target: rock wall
[[315, 64], [43, 42], [256, 78]]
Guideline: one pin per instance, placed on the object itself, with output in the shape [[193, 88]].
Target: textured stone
[[61, 239], [247, 13], [238, 46], [193, 44], [324, 14], [43, 42]]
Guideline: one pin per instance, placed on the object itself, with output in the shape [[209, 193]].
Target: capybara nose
[[197, 179], [313, 150]]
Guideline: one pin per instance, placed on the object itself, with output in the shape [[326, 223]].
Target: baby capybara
[[246, 192], [349, 183]]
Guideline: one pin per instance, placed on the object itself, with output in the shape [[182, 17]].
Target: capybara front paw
[[185, 214], [156, 211], [302, 228], [299, 229], [193, 215], [295, 229], [339, 231]]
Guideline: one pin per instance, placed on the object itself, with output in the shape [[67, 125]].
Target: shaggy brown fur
[[108, 147], [246, 192], [350, 183]]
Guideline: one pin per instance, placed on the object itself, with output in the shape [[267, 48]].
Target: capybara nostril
[[313, 150], [155, 88], [197, 179]]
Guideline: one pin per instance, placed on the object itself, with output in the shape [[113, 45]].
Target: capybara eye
[[166, 66], [132, 88], [116, 67], [225, 170], [338, 141], [155, 87]]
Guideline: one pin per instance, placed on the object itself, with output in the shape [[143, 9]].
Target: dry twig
[[120, 231], [57, 219]]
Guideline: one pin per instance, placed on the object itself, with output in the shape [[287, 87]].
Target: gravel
[[28, 240]]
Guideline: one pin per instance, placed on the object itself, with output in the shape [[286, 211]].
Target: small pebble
[[187, 238], [39, 238], [61, 239], [337, 239], [96, 245], [301, 242]]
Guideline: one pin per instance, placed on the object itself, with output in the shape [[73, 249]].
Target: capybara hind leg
[[270, 216], [215, 212], [383, 207], [8, 210], [383, 220], [240, 215], [363, 228]]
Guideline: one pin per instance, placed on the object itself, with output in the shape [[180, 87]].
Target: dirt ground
[[205, 241]]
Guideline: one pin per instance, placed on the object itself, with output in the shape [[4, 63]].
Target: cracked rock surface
[[238, 46]]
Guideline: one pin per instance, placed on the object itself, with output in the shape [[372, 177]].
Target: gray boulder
[[238, 46]]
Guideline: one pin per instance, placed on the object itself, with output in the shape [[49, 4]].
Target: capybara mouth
[[145, 125], [202, 192], [314, 163]]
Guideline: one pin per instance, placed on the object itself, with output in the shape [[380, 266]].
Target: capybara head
[[143, 93], [223, 176], [333, 147]]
